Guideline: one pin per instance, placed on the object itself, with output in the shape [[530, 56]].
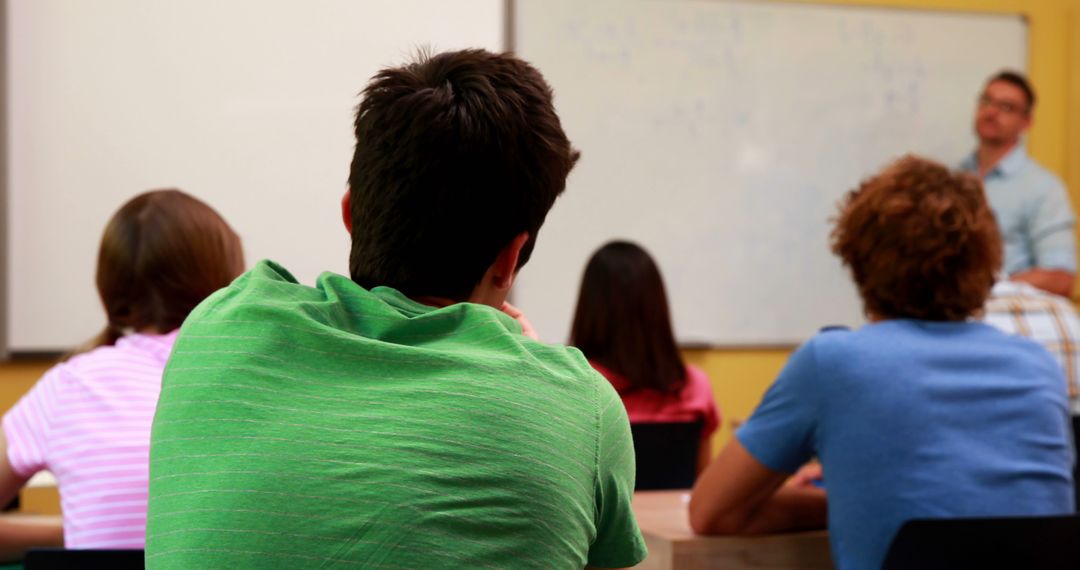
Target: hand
[[807, 475], [526, 327]]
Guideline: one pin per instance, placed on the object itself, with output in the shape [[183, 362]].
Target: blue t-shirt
[[918, 419]]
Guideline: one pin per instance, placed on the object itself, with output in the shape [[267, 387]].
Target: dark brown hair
[[162, 253], [921, 242], [456, 154], [1017, 80], [622, 319]]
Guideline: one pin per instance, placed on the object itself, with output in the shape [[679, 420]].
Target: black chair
[[666, 455], [57, 558], [1029, 543]]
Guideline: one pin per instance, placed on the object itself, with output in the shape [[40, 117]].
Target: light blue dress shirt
[[1032, 210]]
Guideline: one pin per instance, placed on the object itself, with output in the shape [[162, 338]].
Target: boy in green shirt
[[399, 419]]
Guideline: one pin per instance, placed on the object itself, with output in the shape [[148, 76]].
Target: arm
[[739, 495], [1056, 281], [18, 533], [10, 481], [618, 542], [1051, 239], [704, 455]]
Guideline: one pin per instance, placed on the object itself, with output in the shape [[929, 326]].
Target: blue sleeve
[[781, 432], [1051, 230]]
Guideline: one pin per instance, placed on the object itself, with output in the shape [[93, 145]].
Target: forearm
[[737, 494], [19, 533], [704, 455], [1057, 281], [791, 508]]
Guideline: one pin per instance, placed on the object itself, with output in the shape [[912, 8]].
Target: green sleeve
[[618, 541]]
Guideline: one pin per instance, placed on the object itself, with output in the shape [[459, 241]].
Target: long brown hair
[[162, 253], [622, 319]]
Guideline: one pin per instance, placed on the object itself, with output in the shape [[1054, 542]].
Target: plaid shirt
[[1019, 308]]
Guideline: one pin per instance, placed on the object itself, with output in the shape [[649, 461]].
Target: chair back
[[666, 454], [1031, 543], [57, 558]]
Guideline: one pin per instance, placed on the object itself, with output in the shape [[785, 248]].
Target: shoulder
[[266, 280], [266, 294], [839, 349], [697, 381], [1007, 350], [573, 375], [134, 356], [1021, 346], [569, 362], [833, 339], [1041, 180]]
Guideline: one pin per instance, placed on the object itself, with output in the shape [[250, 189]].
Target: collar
[[1009, 164]]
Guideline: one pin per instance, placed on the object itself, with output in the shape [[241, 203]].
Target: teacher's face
[[1002, 114]]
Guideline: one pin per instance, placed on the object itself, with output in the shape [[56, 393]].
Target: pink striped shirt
[[88, 421]]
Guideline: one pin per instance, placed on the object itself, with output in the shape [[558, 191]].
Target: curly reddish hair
[[921, 242]]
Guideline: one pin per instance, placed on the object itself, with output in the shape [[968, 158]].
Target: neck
[[990, 154], [433, 301]]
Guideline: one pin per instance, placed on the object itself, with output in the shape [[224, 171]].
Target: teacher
[[1029, 202]]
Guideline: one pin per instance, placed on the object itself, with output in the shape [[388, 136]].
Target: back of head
[[162, 253], [456, 154], [622, 319], [921, 242]]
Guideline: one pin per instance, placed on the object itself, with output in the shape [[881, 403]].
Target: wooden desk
[[672, 545]]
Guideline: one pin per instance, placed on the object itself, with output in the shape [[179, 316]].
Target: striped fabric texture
[[88, 422], [339, 427], [1050, 320]]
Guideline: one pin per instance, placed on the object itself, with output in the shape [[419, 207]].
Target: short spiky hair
[[456, 153], [921, 242]]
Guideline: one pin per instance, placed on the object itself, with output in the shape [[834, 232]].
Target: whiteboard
[[246, 104], [720, 136]]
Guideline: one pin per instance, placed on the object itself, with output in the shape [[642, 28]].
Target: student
[[1052, 321], [399, 419], [921, 413], [88, 419], [1031, 205], [623, 326]]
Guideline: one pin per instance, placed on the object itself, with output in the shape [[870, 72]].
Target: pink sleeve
[[27, 426], [703, 400]]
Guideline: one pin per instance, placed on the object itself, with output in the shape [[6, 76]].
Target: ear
[[346, 209], [506, 263]]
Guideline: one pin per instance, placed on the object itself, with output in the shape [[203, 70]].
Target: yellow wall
[[740, 377]]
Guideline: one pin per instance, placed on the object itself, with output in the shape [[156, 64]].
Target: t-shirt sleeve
[[27, 425], [781, 431], [1051, 231], [618, 542]]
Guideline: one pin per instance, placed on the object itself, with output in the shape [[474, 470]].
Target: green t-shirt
[[335, 426]]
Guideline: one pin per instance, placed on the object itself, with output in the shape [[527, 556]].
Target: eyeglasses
[[1007, 107]]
